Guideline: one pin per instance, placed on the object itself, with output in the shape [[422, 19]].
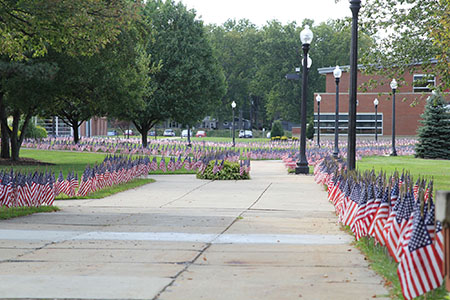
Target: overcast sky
[[261, 11]]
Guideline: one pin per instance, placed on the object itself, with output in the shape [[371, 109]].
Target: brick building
[[407, 115]]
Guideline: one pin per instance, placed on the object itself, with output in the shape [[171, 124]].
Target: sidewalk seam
[[208, 245]]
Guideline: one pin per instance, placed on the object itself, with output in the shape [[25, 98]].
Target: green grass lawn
[[14, 212], [439, 170]]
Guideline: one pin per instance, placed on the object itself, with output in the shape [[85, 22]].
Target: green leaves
[[30, 28]]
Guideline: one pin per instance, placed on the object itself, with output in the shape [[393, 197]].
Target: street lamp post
[[337, 76], [318, 99], [355, 5], [375, 103], [394, 86], [233, 106], [306, 37]]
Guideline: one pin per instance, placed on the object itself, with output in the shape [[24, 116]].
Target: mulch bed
[[24, 161]]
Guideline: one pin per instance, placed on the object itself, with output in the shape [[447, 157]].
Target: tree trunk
[[76, 135], [15, 148], [144, 139], [5, 153]]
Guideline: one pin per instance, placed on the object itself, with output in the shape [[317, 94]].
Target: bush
[[310, 130], [284, 138], [230, 171], [277, 129], [36, 132]]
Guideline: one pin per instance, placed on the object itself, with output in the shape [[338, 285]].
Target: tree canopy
[[410, 35], [188, 80], [75, 27]]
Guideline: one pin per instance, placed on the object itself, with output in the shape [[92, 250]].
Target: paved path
[[273, 237]]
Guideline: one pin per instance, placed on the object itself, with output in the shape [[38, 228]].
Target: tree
[[28, 30], [277, 129], [24, 91], [115, 79], [236, 46], [434, 135], [73, 27], [411, 35], [256, 60], [188, 81]]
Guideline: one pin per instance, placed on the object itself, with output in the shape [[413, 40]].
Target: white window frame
[[422, 89]]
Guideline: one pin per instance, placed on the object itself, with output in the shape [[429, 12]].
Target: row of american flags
[[396, 212], [249, 150], [36, 189]]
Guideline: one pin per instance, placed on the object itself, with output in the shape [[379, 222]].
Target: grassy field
[[438, 170]]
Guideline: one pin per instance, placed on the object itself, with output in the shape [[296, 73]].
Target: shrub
[[276, 138], [36, 132], [230, 171], [284, 138], [294, 138], [310, 130], [277, 129]]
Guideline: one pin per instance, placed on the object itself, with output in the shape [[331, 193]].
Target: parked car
[[245, 134], [129, 132], [184, 133], [169, 132], [151, 133], [200, 133]]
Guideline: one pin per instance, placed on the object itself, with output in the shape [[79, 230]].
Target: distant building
[[96, 126], [407, 116]]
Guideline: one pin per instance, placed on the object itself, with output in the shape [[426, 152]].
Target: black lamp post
[[355, 5], [306, 37], [394, 86], [375, 103], [318, 99], [233, 106], [337, 76]]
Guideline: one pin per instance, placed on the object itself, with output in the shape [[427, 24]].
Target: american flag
[[419, 270]]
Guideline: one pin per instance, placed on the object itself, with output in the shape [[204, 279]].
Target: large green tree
[[24, 91], [188, 81], [28, 29], [236, 46], [75, 27], [408, 32], [115, 79]]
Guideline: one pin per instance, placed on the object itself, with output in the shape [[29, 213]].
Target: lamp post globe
[[337, 73], [233, 106], [394, 87], [306, 37], [318, 99], [375, 103]]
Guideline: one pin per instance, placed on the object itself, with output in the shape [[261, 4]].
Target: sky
[[261, 11]]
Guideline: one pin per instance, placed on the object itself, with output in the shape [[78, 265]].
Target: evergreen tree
[[277, 129], [434, 135]]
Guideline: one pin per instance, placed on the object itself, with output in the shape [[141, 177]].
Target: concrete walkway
[[272, 237]]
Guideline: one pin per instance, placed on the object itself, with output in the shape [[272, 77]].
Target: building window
[[365, 123], [423, 83]]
